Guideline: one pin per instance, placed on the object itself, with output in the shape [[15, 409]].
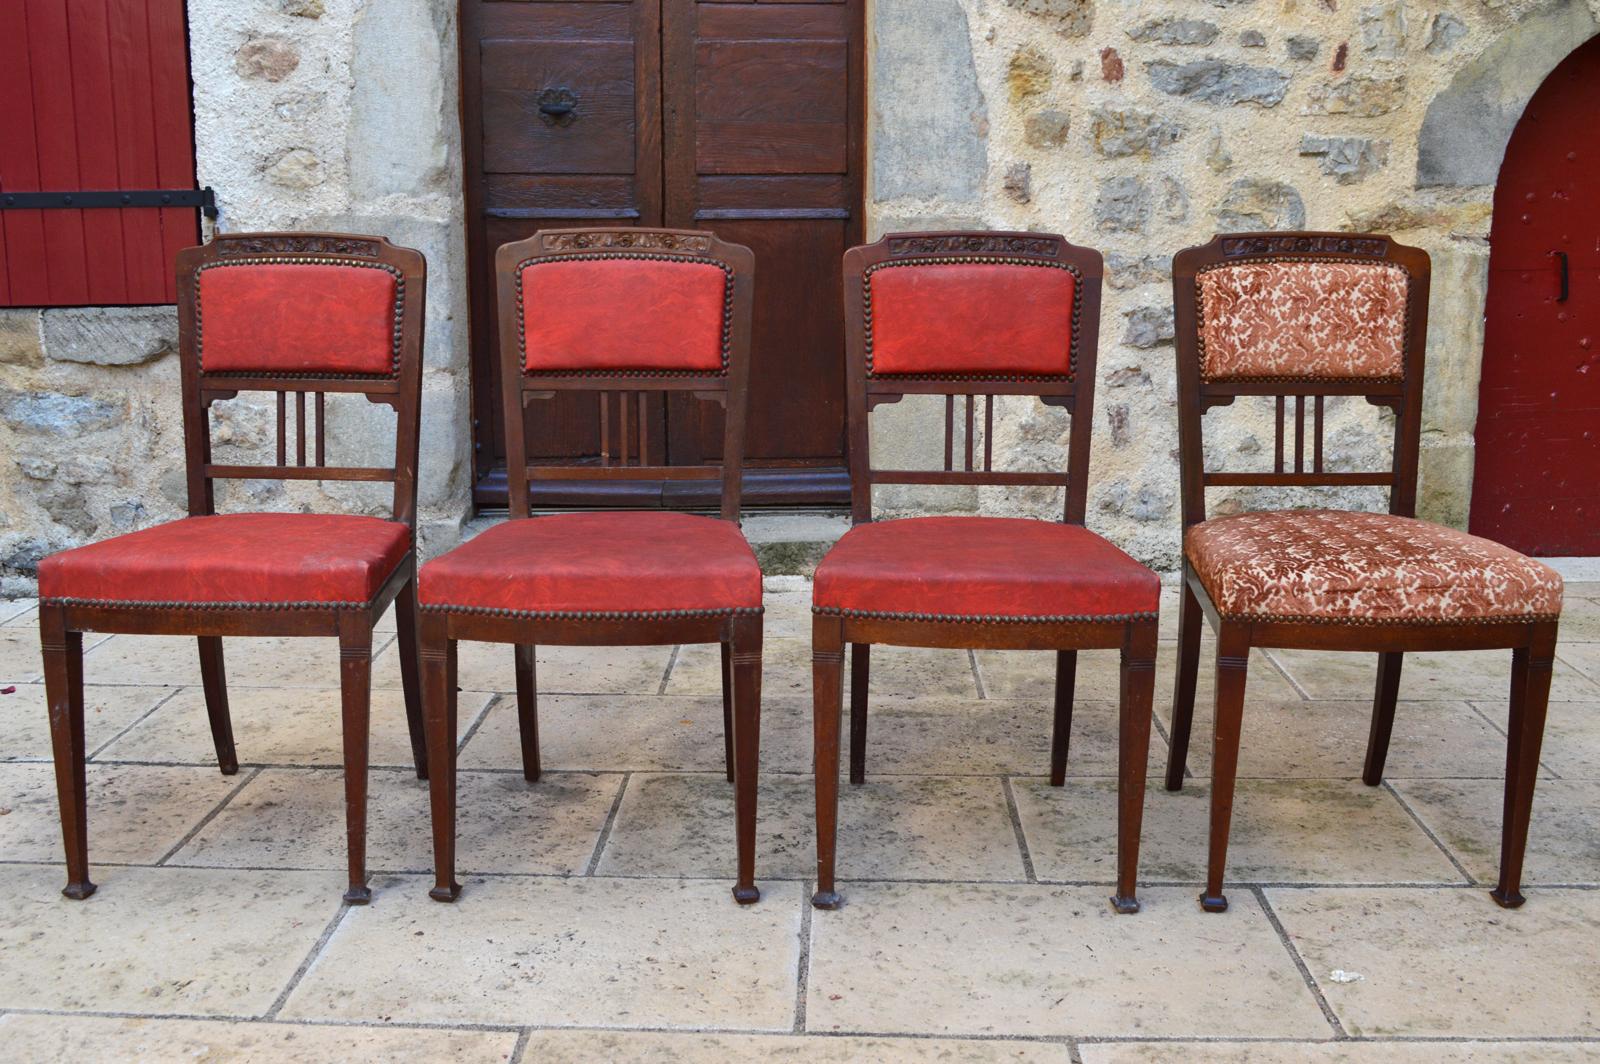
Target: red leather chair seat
[[1363, 568], [598, 563], [252, 558], [982, 567]]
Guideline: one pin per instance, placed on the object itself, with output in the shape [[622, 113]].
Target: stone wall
[[1144, 127], [1138, 127], [309, 114]]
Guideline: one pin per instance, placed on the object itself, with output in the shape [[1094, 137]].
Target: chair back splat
[[625, 314], [1300, 316], [301, 314], [968, 315]]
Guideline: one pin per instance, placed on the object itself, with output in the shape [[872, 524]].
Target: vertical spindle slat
[[969, 433], [644, 432], [605, 428], [622, 427], [988, 433], [1316, 442], [1299, 434], [283, 429], [949, 432], [300, 428], [322, 428], [1277, 443]]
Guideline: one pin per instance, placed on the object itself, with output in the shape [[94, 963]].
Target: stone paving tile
[[294, 818], [1455, 676], [25, 718], [897, 672], [174, 661], [158, 940], [895, 828], [649, 733], [558, 670], [788, 614], [1585, 657], [953, 959], [1032, 674], [21, 661], [1284, 831], [1328, 739], [19, 612], [1563, 843], [1571, 746], [278, 726], [136, 812], [640, 1047], [1449, 962], [94, 1038], [1346, 1052], [563, 952]]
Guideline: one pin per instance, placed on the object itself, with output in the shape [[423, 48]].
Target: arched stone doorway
[[1536, 482]]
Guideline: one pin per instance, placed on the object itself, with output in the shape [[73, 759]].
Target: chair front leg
[[1233, 663], [528, 710], [1189, 622], [827, 678], [439, 706], [1133, 753], [1530, 698], [405, 619], [727, 708], [1383, 703], [746, 655], [860, 684], [63, 689], [1061, 736], [355, 688], [213, 680]]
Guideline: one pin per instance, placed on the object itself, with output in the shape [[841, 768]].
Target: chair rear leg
[[1061, 737], [1383, 702], [405, 617], [214, 680], [827, 670], [746, 654], [860, 684], [528, 711], [1133, 753], [439, 702], [727, 708], [1233, 662], [63, 687], [1189, 622], [355, 688], [1530, 697]]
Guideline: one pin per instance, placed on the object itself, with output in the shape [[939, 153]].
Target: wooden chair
[[1307, 316], [977, 314], [626, 313], [292, 314]]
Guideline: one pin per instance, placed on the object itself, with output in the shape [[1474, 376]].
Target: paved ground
[[596, 922]]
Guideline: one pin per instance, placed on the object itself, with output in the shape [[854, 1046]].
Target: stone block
[[927, 145], [1347, 159], [1220, 82], [1172, 29], [1360, 95], [1149, 326], [19, 338], [110, 336], [266, 58], [1123, 205], [55, 414], [399, 140], [1256, 203], [1070, 18], [1046, 129], [1118, 132]]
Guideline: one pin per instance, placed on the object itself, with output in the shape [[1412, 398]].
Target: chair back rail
[[1299, 461], [1072, 321], [294, 356], [627, 449]]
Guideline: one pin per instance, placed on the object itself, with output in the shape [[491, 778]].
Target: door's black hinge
[[203, 198]]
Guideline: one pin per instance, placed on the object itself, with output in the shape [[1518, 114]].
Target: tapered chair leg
[[827, 668], [1233, 662], [63, 688], [1189, 622], [405, 619], [860, 682], [528, 711], [439, 707], [727, 709], [1133, 752], [214, 681], [1061, 736], [355, 687], [746, 655], [1530, 697], [1383, 703]]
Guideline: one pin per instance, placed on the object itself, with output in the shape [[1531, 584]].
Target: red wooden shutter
[[94, 96]]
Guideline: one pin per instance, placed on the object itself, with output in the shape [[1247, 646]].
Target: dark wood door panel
[[594, 78], [771, 107]]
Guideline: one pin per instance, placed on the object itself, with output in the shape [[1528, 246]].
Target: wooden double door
[[744, 118]]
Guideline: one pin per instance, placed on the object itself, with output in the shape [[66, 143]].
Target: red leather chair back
[[971, 314]]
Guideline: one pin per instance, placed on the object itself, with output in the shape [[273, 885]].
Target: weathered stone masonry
[[1138, 127]]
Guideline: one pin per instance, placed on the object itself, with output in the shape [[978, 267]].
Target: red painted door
[[94, 96], [1536, 486]]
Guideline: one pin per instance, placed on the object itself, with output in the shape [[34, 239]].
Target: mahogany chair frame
[[62, 622], [1135, 635], [1532, 642], [738, 631]]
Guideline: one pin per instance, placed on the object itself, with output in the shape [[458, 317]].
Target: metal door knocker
[[558, 107]]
